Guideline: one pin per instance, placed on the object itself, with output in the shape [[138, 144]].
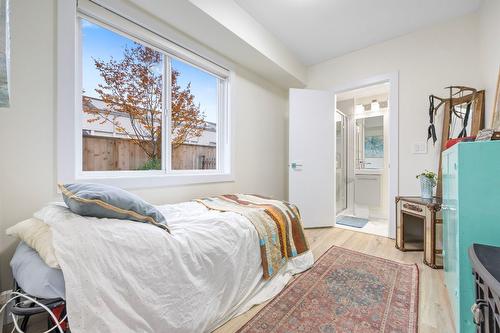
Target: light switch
[[420, 148]]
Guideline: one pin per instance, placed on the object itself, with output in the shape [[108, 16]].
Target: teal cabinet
[[471, 214]]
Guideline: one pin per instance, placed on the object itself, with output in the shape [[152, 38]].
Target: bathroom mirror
[[370, 143]]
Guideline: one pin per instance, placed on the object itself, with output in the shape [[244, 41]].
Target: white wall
[[427, 61], [27, 173], [489, 41], [28, 132]]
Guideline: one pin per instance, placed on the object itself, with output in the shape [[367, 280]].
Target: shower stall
[[341, 162]]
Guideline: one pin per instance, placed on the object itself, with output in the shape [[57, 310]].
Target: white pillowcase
[[38, 236]]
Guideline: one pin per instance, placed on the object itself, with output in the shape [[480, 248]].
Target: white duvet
[[124, 276]]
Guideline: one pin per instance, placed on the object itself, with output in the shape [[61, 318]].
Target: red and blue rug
[[345, 291]]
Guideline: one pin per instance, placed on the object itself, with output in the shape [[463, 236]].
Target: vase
[[426, 186]]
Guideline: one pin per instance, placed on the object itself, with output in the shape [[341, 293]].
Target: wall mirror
[[463, 116], [460, 122]]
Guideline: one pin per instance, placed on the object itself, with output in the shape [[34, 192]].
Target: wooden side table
[[416, 228]]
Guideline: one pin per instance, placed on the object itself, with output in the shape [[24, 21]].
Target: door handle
[[295, 165]]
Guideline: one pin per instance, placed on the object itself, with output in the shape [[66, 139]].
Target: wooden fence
[[193, 157], [108, 154]]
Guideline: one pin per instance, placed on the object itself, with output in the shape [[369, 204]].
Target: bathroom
[[362, 168]]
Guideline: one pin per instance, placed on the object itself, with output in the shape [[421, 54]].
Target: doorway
[[366, 148], [314, 125]]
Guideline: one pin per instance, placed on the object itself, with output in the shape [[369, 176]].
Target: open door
[[311, 175]]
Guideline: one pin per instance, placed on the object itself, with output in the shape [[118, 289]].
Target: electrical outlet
[[420, 148]]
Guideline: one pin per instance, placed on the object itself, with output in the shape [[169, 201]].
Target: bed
[[135, 277]]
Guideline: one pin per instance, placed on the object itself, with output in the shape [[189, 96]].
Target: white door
[[311, 174]]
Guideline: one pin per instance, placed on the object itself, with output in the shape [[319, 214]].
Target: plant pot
[[426, 186]]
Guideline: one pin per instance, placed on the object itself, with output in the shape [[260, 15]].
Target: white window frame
[[69, 123]]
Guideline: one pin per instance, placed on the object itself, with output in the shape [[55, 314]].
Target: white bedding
[[132, 277]]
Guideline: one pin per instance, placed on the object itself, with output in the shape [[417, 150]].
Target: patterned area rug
[[345, 291]]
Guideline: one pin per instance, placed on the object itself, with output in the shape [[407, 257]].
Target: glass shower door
[[341, 162]]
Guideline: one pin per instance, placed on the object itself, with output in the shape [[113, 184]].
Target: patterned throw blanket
[[277, 223]]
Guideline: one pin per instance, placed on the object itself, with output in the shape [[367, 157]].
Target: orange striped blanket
[[278, 225]]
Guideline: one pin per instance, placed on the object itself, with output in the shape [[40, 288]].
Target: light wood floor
[[434, 314]]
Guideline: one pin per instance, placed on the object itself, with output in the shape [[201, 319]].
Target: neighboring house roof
[[106, 129]]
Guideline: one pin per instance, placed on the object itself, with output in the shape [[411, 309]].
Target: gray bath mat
[[352, 221]]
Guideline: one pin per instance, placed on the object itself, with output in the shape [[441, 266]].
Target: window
[[122, 102], [145, 107], [194, 117]]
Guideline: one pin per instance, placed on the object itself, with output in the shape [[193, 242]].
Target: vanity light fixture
[[359, 108]]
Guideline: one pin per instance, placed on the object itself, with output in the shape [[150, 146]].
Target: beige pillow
[[38, 236]]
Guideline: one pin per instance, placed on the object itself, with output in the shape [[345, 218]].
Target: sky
[[100, 43]]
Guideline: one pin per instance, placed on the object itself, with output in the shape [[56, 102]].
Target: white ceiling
[[318, 30]]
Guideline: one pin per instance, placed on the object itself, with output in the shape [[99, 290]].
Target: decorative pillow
[[38, 236], [104, 201]]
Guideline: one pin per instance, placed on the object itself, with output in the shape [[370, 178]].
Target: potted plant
[[428, 180]]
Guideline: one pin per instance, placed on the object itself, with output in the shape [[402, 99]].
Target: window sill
[[145, 180]]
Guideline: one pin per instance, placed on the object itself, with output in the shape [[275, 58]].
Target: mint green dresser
[[471, 214]]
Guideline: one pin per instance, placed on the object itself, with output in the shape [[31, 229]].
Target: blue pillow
[[104, 201], [34, 276]]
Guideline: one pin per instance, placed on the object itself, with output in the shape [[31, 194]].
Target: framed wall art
[[4, 54]]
